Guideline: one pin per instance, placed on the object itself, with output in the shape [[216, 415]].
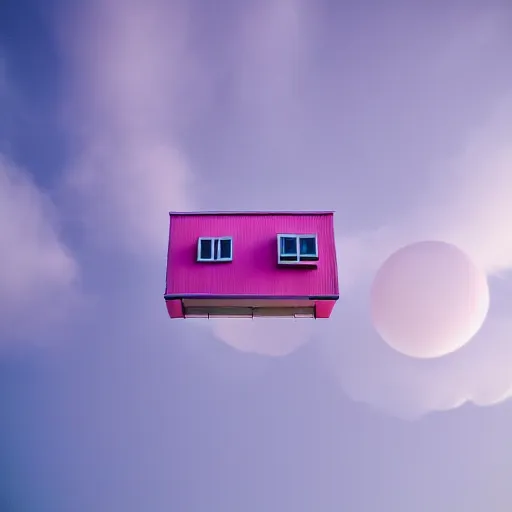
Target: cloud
[[265, 336], [371, 372], [129, 73], [474, 201], [39, 275], [467, 205], [125, 69]]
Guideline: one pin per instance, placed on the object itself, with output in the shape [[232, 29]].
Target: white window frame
[[310, 257], [216, 240]]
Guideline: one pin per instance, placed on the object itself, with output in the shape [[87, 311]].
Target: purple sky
[[399, 118]]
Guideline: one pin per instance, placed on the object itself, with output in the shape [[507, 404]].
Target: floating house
[[251, 264]]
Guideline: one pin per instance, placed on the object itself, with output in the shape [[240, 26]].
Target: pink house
[[251, 264]]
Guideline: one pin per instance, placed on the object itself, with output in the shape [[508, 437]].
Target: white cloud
[[373, 373], [37, 272]]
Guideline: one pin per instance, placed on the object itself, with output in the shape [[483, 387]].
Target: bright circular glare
[[428, 299]]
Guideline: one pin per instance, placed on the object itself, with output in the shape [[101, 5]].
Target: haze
[[398, 115]]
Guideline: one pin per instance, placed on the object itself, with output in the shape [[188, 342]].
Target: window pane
[[205, 250], [225, 248], [288, 245], [307, 246]]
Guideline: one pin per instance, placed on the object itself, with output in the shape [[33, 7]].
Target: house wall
[[254, 269]]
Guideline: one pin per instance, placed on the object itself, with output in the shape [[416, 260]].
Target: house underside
[[249, 307]]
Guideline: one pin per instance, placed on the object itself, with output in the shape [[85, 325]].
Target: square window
[[215, 249], [297, 248]]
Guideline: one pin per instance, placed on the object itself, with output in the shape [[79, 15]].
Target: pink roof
[[240, 212]]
